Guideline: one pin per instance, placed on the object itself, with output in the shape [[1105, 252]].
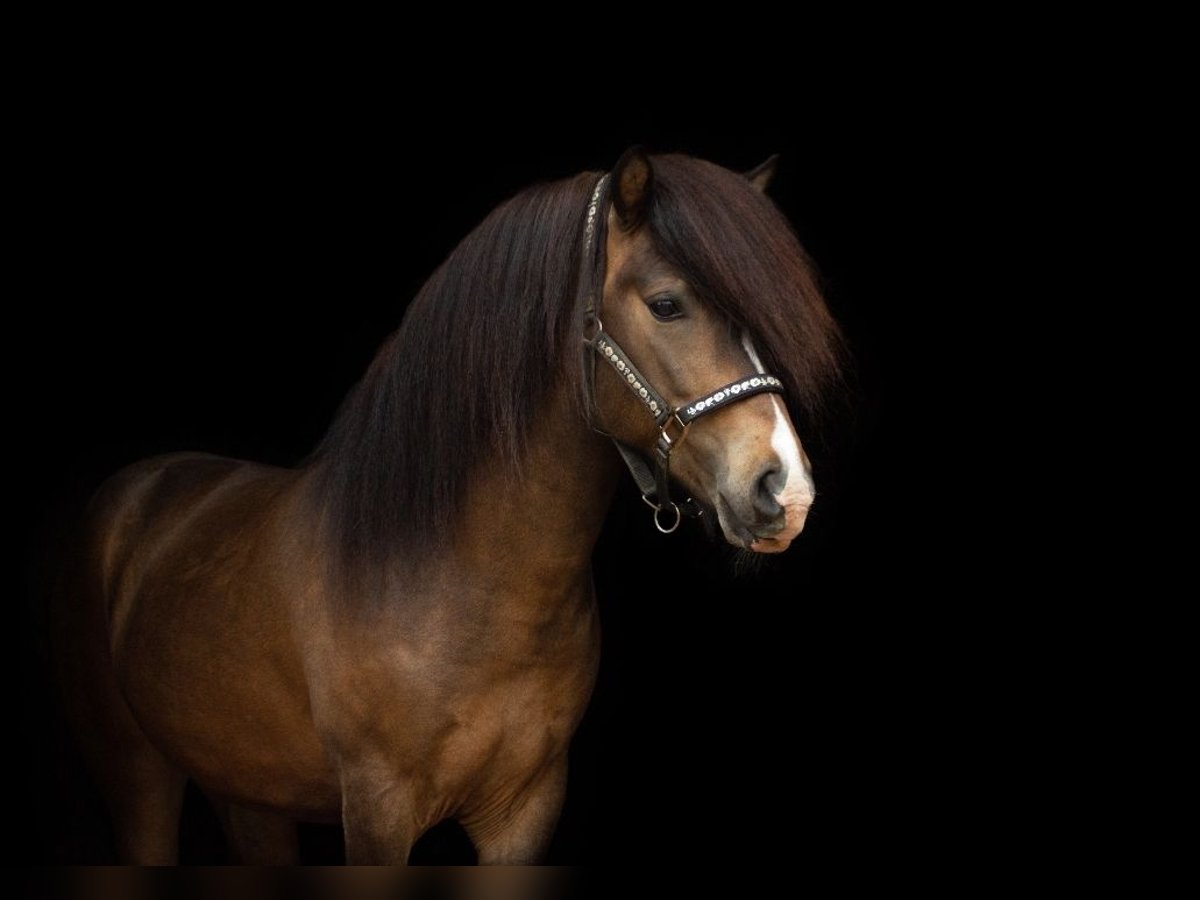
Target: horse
[[403, 628]]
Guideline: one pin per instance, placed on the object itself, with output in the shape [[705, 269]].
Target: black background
[[213, 269]]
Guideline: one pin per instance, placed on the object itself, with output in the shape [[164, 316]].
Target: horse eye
[[665, 309]]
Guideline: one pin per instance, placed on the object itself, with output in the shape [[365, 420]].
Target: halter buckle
[[592, 324], [664, 436]]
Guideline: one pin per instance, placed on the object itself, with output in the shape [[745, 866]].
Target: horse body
[[454, 695], [404, 629], [181, 543]]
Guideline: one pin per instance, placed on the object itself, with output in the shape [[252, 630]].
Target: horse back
[[143, 509]]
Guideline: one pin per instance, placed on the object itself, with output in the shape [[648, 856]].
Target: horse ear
[[760, 176], [633, 183]]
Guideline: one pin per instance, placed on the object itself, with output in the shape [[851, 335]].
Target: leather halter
[[672, 421]]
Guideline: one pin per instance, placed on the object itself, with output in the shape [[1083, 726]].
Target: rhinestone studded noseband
[[672, 421]]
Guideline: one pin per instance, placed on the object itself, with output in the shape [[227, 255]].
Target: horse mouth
[[756, 538]]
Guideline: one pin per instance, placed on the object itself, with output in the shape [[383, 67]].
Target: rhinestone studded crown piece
[[589, 229]]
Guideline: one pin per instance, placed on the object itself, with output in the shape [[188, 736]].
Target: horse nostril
[[770, 483]]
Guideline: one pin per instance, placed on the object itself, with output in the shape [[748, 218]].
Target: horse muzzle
[[767, 516]]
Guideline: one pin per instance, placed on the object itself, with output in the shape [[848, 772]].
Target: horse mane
[[462, 379]]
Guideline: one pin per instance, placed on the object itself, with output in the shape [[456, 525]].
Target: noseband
[[673, 421]]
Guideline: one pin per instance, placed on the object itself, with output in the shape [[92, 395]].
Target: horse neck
[[532, 534]]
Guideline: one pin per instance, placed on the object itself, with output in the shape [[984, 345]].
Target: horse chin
[[737, 533], [770, 545]]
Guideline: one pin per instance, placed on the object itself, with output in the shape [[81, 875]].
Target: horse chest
[[501, 736]]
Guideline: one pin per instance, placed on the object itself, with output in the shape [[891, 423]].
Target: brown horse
[[403, 629]]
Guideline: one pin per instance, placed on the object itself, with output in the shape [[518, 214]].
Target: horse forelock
[[739, 253]]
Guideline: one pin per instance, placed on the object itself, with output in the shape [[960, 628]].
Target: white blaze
[[798, 491]]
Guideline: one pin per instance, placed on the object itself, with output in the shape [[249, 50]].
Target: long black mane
[[462, 379]]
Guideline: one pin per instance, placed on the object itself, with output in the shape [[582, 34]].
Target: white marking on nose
[[798, 491]]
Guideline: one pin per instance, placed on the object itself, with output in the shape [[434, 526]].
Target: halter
[[673, 422]]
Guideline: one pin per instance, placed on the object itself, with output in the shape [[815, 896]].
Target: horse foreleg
[[145, 799], [377, 818], [256, 837], [521, 834]]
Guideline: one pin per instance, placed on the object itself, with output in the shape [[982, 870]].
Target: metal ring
[[678, 518]]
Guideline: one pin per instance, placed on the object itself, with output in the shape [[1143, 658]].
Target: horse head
[[704, 287]]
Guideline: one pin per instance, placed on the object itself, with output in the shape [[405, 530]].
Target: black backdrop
[[215, 275]]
